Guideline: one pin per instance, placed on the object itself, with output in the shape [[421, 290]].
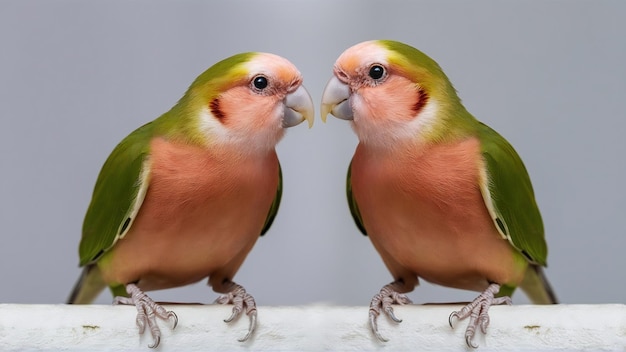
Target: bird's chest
[[434, 188], [200, 211], [193, 194], [424, 209]]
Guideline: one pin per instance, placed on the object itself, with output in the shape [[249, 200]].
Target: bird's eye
[[377, 72], [260, 82]]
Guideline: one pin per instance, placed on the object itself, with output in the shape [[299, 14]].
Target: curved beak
[[298, 106], [336, 100]]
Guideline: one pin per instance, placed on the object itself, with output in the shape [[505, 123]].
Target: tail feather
[[537, 287], [88, 286]]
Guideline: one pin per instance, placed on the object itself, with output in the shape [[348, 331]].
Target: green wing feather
[[117, 196], [354, 209], [275, 204], [119, 191], [509, 196]]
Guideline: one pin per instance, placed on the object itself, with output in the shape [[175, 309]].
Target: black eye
[[259, 82], [377, 72]]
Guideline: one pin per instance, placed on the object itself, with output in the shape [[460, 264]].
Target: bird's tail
[[537, 287], [88, 286]]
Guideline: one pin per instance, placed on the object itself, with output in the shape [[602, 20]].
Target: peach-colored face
[[380, 104], [252, 110]]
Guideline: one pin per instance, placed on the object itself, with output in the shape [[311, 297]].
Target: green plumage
[[275, 204], [354, 208], [186, 196], [110, 213], [445, 197], [511, 192], [514, 211], [514, 208], [116, 190], [125, 175]]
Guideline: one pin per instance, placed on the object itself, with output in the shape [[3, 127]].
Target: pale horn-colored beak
[[298, 107], [336, 100]]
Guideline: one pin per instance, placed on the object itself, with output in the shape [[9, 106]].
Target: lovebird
[[442, 196], [186, 196]]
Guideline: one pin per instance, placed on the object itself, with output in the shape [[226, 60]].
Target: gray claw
[[241, 301], [478, 312], [382, 301], [469, 341], [374, 327], [251, 327], [171, 314], [235, 313], [157, 341], [147, 312], [392, 315], [452, 316]]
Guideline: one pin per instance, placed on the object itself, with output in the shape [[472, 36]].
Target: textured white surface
[[313, 328]]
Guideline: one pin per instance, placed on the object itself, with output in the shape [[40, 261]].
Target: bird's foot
[[147, 312], [382, 301], [478, 311], [241, 300]]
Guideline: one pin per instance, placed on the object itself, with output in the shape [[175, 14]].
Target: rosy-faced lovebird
[[186, 196], [442, 196]]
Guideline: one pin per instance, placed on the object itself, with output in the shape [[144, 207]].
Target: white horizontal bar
[[312, 328]]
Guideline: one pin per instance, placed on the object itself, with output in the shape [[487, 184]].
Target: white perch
[[312, 328]]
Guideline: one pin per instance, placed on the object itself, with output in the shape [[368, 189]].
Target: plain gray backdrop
[[76, 77]]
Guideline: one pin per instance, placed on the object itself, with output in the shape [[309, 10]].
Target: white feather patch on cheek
[[387, 132], [423, 123], [213, 130], [249, 139]]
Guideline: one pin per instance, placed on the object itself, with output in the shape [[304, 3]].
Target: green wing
[[354, 209], [117, 196], [274, 208], [509, 197]]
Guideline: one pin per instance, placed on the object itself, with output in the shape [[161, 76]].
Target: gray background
[[76, 77]]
